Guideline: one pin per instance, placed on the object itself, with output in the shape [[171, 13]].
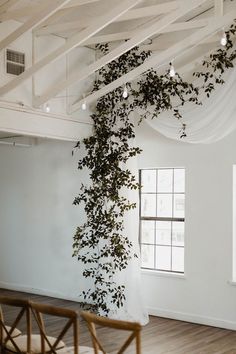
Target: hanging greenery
[[100, 243]]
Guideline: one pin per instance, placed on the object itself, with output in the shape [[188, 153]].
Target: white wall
[[205, 295], [37, 219]]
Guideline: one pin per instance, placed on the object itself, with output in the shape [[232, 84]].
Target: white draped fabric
[[134, 308], [208, 123]]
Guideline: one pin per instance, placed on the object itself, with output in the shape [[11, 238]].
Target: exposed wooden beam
[[182, 69], [67, 10], [174, 27], [162, 44], [219, 7], [48, 9], [74, 41], [24, 121], [19, 13], [164, 57], [74, 3], [28, 10], [138, 38], [7, 5], [142, 12], [2, 2]]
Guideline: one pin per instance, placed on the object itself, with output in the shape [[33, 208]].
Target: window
[[162, 215]]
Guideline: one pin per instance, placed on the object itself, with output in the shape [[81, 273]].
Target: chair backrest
[[71, 317], [22, 313], [133, 327]]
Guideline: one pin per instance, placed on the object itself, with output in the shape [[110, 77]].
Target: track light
[[125, 92], [172, 70], [223, 40]]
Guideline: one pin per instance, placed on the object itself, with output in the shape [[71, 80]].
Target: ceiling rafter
[[7, 5], [19, 13], [194, 63], [48, 9], [133, 14], [74, 41], [161, 44], [174, 27], [139, 37], [161, 58], [74, 3], [28, 10], [219, 7]]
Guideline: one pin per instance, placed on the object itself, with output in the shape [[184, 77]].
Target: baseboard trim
[[193, 318], [180, 316], [36, 291]]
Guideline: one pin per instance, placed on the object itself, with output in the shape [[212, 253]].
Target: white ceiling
[[78, 19]]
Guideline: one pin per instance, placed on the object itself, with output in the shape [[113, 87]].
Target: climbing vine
[[101, 243]]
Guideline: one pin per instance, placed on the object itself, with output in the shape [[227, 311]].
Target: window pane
[[163, 257], [178, 233], [148, 181], [164, 205], [179, 205], [163, 232], [178, 259], [148, 205], [165, 181], [179, 180], [148, 232], [147, 253]]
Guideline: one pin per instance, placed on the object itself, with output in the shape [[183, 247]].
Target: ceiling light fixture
[[172, 70], [223, 40], [125, 92]]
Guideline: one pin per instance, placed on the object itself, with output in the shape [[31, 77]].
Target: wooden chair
[[14, 333], [39, 311], [9, 335], [133, 327]]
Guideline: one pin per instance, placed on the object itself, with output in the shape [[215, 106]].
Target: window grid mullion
[[156, 218]]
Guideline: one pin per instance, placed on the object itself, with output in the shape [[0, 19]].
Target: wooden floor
[[160, 336]]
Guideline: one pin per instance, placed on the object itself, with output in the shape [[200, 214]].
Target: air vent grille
[[15, 62]]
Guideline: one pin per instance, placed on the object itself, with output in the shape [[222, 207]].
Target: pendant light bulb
[[47, 108], [223, 40], [125, 92], [84, 106], [172, 71]]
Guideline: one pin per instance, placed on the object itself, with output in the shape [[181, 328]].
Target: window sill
[[163, 274]]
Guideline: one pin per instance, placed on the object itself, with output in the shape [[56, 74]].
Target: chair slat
[[133, 327]]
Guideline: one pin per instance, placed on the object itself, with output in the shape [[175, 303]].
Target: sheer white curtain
[[134, 308], [208, 123]]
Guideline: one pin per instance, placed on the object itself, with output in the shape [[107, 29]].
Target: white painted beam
[[174, 27], [140, 36], [219, 7], [28, 10], [46, 11], [74, 3], [74, 41], [148, 11], [164, 57], [182, 69], [7, 5], [19, 13], [31, 123], [162, 44]]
